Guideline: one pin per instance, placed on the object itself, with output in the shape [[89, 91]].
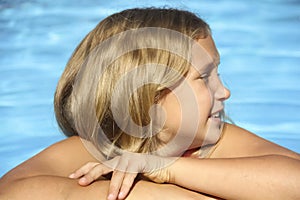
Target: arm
[[45, 176], [240, 153], [243, 166], [52, 187], [263, 177], [59, 188]]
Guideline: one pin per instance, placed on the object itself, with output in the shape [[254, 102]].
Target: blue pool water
[[258, 41]]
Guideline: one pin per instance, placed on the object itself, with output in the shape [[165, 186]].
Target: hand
[[125, 169]]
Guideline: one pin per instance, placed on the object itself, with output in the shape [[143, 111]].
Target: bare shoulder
[[59, 159], [238, 142]]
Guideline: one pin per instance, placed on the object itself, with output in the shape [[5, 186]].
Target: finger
[[115, 184], [127, 184], [94, 174], [83, 170]]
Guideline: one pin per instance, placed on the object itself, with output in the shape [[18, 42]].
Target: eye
[[204, 76]]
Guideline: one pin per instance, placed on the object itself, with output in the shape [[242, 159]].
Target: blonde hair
[[69, 111]]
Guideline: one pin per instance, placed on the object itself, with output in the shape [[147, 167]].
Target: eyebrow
[[217, 60]]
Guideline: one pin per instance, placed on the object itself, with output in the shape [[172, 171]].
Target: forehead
[[209, 47]]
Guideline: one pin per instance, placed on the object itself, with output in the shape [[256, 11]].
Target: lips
[[216, 114]]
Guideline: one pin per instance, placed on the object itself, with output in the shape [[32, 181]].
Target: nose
[[227, 94], [222, 93]]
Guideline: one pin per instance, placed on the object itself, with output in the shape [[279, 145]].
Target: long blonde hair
[[69, 109]]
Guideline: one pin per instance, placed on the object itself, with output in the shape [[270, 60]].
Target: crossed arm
[[243, 166]]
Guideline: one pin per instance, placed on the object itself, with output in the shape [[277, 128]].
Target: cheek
[[204, 99], [186, 112]]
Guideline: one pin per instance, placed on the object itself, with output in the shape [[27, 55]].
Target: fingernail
[[111, 197], [72, 175], [121, 195], [83, 180]]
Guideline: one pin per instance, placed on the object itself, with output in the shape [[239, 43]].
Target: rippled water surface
[[258, 42]]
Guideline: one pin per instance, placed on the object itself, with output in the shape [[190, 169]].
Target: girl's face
[[204, 107]]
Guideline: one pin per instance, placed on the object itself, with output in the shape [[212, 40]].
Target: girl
[[140, 91]]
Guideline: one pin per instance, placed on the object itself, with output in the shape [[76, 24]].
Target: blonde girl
[[141, 94]]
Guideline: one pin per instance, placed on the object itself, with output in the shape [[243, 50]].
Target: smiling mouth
[[216, 114]]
